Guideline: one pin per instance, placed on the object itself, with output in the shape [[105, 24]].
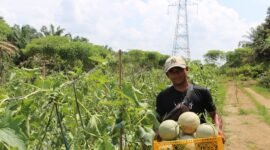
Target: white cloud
[[216, 27], [36, 13], [127, 24]]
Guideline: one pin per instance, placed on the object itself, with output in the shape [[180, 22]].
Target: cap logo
[[173, 61]]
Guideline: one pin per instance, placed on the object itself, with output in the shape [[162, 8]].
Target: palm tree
[[80, 38], [6, 47], [21, 36], [51, 31], [5, 30], [6, 52]]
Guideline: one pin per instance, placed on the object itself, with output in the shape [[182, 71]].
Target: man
[[198, 100]]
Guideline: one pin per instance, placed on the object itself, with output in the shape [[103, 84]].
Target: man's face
[[177, 75]]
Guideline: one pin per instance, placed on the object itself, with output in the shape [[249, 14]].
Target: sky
[[143, 24]]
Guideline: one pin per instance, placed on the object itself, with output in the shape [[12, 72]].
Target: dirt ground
[[244, 129]]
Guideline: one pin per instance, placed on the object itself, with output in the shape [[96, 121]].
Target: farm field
[[245, 126], [96, 89]]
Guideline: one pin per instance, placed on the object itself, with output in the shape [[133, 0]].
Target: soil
[[244, 129]]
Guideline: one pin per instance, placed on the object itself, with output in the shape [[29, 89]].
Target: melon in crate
[[168, 130], [206, 130], [188, 122], [188, 146]]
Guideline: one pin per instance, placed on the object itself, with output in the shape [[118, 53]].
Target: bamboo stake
[[120, 87]]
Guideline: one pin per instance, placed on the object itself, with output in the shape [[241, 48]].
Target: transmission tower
[[181, 37]]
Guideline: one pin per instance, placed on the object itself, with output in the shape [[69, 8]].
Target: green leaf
[[147, 135], [106, 144], [141, 132], [9, 137], [151, 114], [12, 75]]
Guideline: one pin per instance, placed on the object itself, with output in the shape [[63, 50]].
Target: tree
[[7, 50], [197, 62], [50, 31], [81, 39], [21, 36], [5, 30], [144, 59], [258, 40], [214, 57], [61, 52], [238, 57]]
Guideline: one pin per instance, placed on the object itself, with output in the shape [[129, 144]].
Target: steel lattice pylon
[[181, 37]]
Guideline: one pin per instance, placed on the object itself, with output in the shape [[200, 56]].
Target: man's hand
[[220, 133], [218, 122]]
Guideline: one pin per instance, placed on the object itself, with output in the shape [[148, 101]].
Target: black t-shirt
[[200, 99]]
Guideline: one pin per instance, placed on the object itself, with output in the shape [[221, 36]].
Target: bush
[[243, 77], [264, 80], [246, 71]]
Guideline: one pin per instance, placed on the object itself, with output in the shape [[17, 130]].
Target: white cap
[[174, 61]]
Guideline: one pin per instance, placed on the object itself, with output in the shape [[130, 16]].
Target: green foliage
[[10, 132], [80, 103], [21, 36], [144, 59], [264, 79], [259, 72], [261, 90], [207, 76], [238, 57], [7, 51], [244, 111], [5, 30], [214, 57], [10, 139], [108, 99], [247, 71], [31, 99], [252, 60], [52, 31], [46, 46], [64, 52], [259, 40], [262, 110]]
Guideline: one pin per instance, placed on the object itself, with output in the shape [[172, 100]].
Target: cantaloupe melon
[[168, 130], [189, 146], [205, 130], [188, 122], [186, 137]]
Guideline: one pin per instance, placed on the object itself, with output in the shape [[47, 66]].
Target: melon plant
[[206, 130], [188, 122], [168, 130]]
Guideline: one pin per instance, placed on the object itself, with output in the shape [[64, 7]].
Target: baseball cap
[[174, 61]]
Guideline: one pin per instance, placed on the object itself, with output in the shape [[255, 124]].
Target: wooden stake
[[120, 87], [120, 68]]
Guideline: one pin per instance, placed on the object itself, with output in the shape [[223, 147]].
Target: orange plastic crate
[[211, 143]]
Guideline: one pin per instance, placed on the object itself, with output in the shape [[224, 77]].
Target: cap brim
[[176, 65]]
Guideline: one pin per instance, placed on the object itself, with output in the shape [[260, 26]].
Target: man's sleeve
[[208, 101]]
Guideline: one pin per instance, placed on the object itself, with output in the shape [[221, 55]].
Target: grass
[[261, 90], [251, 145], [262, 110], [244, 111], [221, 94]]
